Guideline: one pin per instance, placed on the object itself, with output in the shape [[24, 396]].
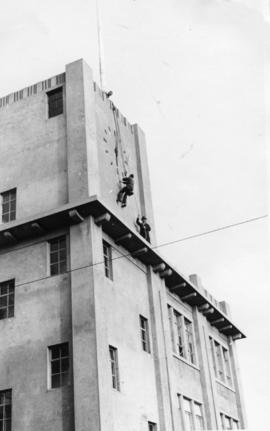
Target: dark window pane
[[11, 311], [54, 246], [54, 269], [63, 267], [5, 218], [54, 257], [56, 381], [3, 301], [56, 366], [63, 254], [5, 207], [13, 205], [3, 289], [11, 299], [64, 349], [55, 102], [8, 411], [8, 425], [64, 365], [3, 313], [55, 352]]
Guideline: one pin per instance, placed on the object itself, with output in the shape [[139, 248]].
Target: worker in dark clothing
[[144, 228], [127, 190]]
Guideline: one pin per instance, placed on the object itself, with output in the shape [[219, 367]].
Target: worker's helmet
[[131, 175], [144, 218]]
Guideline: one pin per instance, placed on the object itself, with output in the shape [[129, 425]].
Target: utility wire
[[152, 248], [208, 232]]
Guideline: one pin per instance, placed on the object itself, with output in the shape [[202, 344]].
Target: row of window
[[181, 328], [183, 344], [193, 417], [59, 376]]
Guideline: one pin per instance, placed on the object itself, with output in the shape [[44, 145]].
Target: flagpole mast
[[100, 53]]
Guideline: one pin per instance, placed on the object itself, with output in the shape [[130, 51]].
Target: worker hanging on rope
[[144, 228], [127, 190]]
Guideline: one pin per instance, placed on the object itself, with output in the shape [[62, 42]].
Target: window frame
[[145, 331], [59, 261], [152, 426], [190, 424], [60, 359], [232, 421], [8, 294], [6, 393], [179, 338], [107, 259], [224, 364], [11, 213], [114, 363], [50, 110]]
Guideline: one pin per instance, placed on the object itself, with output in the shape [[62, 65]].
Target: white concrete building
[[98, 332]]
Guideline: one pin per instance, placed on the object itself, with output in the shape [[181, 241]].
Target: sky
[[192, 73]]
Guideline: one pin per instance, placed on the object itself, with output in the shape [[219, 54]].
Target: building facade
[[98, 332]]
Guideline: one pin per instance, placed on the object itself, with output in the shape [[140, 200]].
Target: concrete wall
[[42, 318], [33, 155]]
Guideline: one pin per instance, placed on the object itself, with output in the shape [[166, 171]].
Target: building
[[98, 332]]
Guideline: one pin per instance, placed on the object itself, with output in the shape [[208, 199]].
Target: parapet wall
[[32, 90]]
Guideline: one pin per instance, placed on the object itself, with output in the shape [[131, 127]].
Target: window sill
[[225, 385], [186, 361]]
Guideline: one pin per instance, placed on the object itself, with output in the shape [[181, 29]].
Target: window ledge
[[225, 385], [186, 361]]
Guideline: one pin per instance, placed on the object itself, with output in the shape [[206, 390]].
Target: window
[[235, 424], [228, 375], [145, 334], [198, 416], [170, 315], [107, 255], [189, 340], [7, 299], [58, 255], [192, 414], [182, 336], [8, 206], [59, 365], [188, 414], [220, 371], [221, 362], [114, 367], [55, 102], [228, 423], [179, 332], [5, 410], [152, 426]]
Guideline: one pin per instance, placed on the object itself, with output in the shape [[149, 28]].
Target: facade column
[[91, 367], [82, 152], [144, 179], [206, 372], [238, 385], [158, 312]]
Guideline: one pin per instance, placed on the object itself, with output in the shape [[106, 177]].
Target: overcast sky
[[190, 72]]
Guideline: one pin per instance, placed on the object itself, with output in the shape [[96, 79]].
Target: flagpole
[[100, 51]]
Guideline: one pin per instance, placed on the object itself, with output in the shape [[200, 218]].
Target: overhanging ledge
[[129, 238]]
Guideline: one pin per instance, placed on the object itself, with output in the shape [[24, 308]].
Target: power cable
[[152, 248]]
